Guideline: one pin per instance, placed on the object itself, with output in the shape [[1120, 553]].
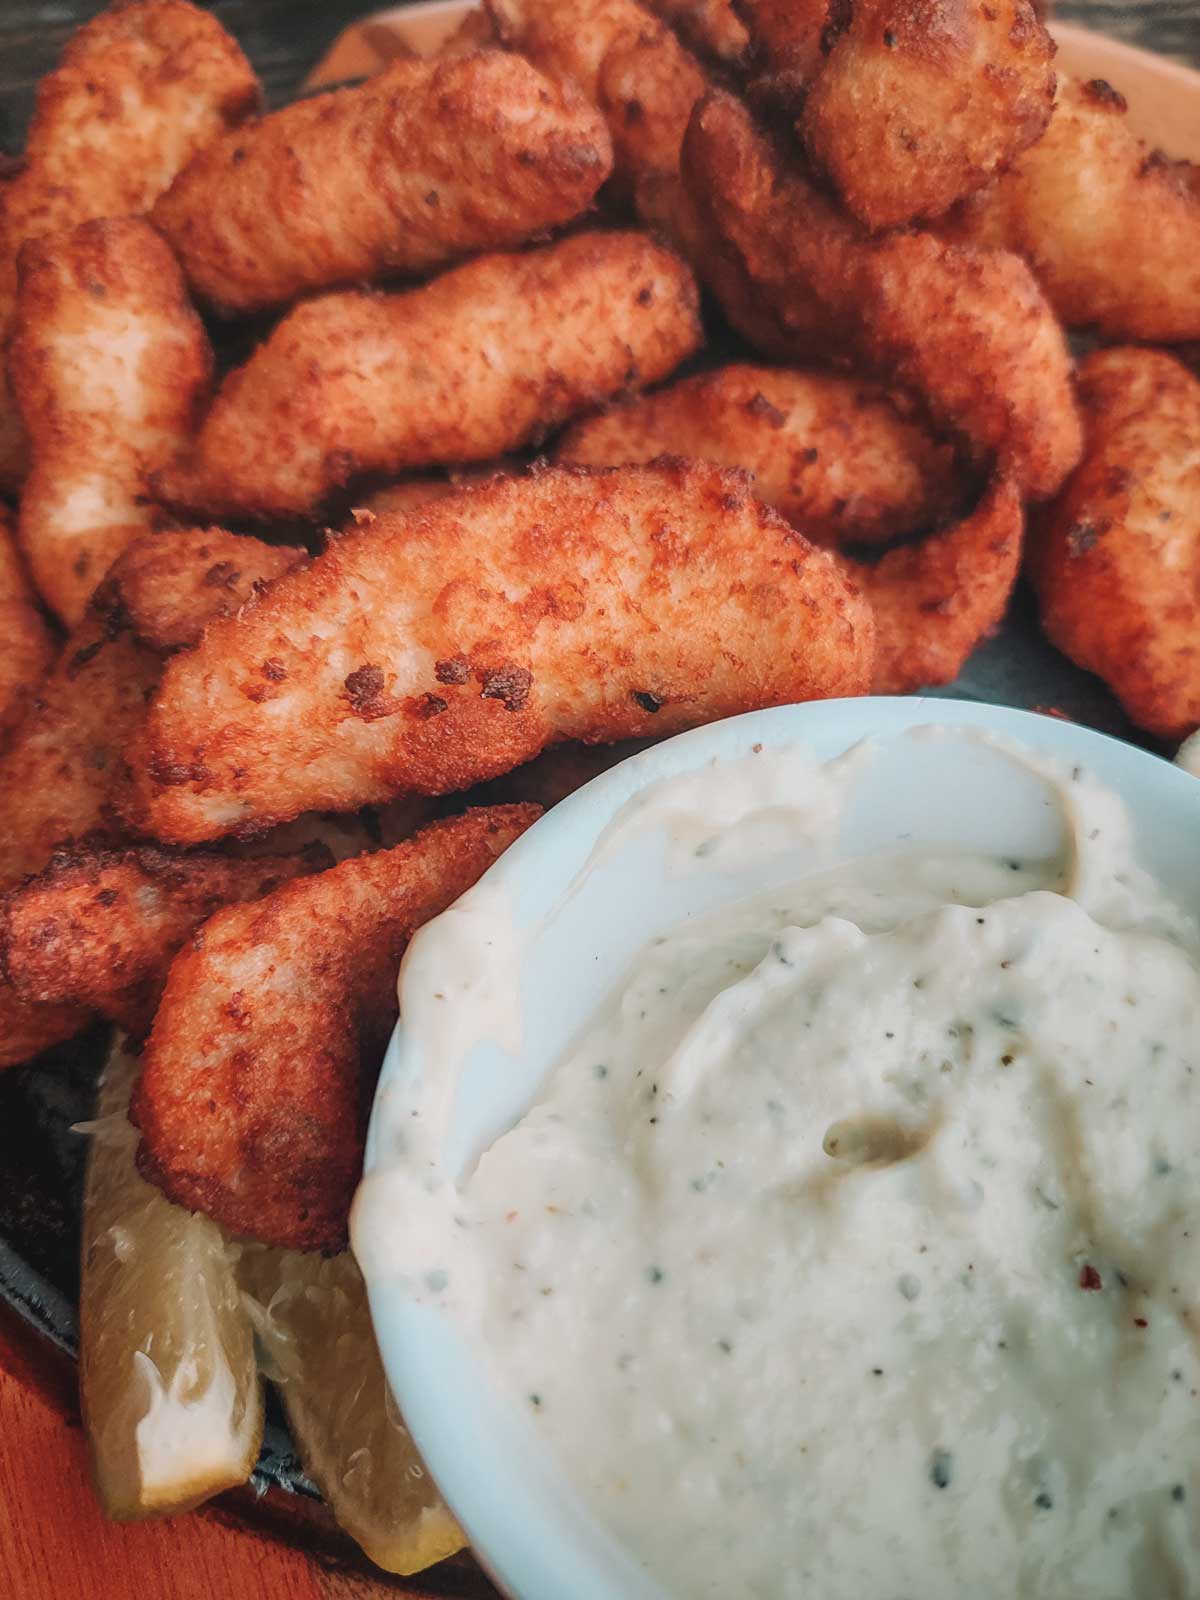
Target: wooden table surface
[[54, 1544]]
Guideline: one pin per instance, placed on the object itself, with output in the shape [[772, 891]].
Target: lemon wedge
[[172, 1402], [314, 1327]]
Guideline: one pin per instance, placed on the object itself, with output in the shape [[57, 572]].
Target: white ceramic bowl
[[575, 937]]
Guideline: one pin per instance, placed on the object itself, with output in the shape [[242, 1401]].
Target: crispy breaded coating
[[168, 587], [645, 82], [27, 645], [967, 331], [788, 37], [426, 163], [647, 85], [1110, 228], [98, 928], [410, 494], [936, 599], [486, 358], [58, 775], [832, 454], [710, 27], [258, 1073], [919, 105], [458, 642], [139, 90], [110, 366], [1116, 563], [63, 766]]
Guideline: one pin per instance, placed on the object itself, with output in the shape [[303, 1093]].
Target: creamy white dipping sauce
[[853, 1251]]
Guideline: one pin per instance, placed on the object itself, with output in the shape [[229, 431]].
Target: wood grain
[[56, 1545], [279, 1547]]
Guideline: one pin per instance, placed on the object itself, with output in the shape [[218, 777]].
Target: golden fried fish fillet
[[168, 587], [934, 600], [1110, 227], [27, 644], [645, 82], [426, 163], [110, 366], [647, 85], [966, 331], [433, 651], [486, 358], [1116, 563], [62, 767], [919, 105], [832, 454], [139, 90], [98, 928], [258, 1073], [835, 458]]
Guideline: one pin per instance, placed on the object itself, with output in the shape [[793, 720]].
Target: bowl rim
[[525, 1553]]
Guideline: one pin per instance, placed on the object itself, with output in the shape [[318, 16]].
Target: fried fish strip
[[645, 82], [64, 766], [934, 600], [27, 646], [168, 587], [426, 163], [1111, 228], [647, 85], [456, 643], [484, 359], [967, 331], [59, 774], [140, 89], [585, 41], [61, 768], [258, 1073], [98, 928], [833, 455], [110, 366], [842, 465], [919, 105], [1116, 564]]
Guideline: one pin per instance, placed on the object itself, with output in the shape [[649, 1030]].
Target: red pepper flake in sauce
[[1089, 1278]]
